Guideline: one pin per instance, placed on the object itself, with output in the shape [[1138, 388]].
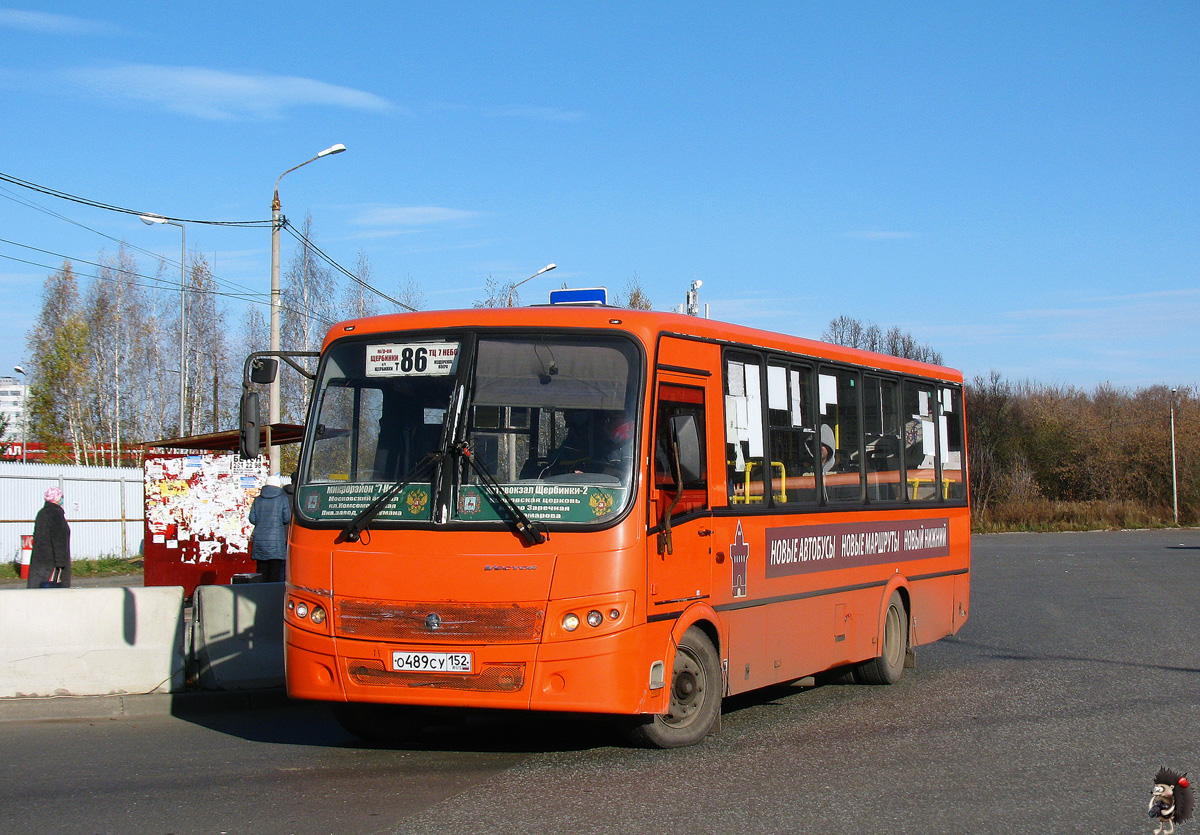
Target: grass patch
[[109, 566], [106, 566], [1045, 516]]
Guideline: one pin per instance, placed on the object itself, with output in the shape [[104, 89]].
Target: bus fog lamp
[[301, 610], [318, 615], [614, 614], [594, 618], [570, 622]]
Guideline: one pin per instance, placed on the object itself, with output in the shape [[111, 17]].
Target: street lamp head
[[336, 149], [150, 220], [18, 369]]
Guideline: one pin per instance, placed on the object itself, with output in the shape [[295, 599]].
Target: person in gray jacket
[[270, 515]]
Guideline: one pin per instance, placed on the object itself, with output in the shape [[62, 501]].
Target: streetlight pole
[[276, 225], [513, 288], [151, 220], [1174, 480], [24, 414]]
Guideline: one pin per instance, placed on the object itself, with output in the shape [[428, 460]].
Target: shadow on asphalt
[[466, 731], [313, 724]]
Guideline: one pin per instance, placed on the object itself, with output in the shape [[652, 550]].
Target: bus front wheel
[[888, 667], [695, 697]]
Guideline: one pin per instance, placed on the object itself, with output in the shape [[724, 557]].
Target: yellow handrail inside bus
[[746, 497]]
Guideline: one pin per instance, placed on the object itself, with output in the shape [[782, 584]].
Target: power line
[[248, 223], [159, 283], [300, 237], [96, 204], [9, 195]]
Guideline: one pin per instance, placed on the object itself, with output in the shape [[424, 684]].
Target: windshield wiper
[[353, 531], [524, 526]]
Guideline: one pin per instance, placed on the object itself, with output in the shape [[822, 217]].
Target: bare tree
[[208, 351], [309, 308], [633, 296], [497, 294], [852, 333], [357, 300], [156, 358], [410, 293]]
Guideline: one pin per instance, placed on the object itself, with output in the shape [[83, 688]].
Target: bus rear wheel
[[695, 697], [888, 667]]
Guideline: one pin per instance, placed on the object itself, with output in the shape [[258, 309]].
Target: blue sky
[[1016, 184]]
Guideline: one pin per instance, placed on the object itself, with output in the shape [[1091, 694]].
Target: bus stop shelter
[[198, 493]]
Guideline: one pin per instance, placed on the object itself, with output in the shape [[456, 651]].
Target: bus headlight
[[312, 614], [603, 614]]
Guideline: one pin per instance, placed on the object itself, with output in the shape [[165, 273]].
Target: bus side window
[[677, 400], [951, 420], [792, 434], [920, 441], [840, 419], [881, 432], [743, 430]]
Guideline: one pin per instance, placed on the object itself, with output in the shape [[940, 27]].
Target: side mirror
[[263, 371], [248, 423], [686, 437]]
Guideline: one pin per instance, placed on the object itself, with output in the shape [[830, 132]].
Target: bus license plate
[[432, 662]]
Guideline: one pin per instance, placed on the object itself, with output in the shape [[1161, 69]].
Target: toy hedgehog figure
[[1172, 800]]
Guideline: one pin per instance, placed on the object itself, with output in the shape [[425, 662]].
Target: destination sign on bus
[[412, 359]]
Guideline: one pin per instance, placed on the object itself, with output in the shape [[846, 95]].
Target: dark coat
[[270, 515], [51, 546]]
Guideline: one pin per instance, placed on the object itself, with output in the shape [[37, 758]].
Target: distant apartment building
[[12, 405]]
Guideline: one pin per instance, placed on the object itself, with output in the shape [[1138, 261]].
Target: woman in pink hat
[[50, 559]]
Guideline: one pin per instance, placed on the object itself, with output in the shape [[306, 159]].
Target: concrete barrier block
[[91, 642], [238, 636]]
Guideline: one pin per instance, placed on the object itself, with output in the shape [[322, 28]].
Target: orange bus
[[608, 511]]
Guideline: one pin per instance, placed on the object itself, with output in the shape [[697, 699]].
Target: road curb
[[127, 706]]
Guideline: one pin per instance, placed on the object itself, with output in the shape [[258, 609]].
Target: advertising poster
[[197, 517]]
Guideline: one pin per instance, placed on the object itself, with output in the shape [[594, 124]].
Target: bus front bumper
[[605, 674]]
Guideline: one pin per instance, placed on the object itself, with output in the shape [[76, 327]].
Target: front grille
[[454, 622], [506, 678]]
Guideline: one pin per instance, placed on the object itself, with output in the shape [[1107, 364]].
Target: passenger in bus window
[[829, 455]]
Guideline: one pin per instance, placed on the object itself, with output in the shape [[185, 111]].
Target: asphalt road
[[1077, 675]]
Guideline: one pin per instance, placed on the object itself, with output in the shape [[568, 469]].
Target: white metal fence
[[104, 507]]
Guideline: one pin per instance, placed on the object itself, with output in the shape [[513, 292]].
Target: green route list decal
[[540, 502]]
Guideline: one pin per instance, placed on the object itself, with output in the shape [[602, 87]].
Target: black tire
[[383, 724], [695, 697], [889, 666]]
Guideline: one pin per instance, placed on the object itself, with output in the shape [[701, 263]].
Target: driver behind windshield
[[597, 441]]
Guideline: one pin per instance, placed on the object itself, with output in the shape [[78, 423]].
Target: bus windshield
[[551, 418]]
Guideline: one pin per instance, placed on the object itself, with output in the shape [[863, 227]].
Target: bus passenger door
[[680, 545]]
